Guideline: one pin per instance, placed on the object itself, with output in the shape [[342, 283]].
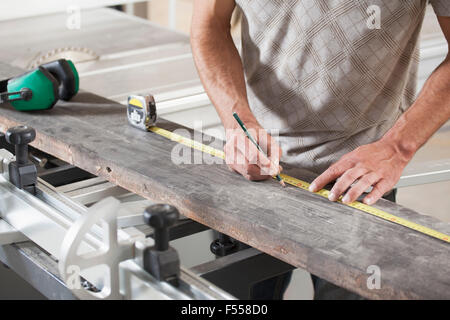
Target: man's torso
[[324, 76]]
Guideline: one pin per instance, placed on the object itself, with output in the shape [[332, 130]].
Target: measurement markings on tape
[[305, 185]]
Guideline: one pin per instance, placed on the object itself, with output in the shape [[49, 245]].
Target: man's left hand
[[378, 164]]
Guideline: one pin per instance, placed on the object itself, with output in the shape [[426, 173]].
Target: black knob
[[26, 94], [20, 137], [160, 217]]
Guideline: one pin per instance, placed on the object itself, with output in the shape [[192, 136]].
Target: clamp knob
[[22, 173], [161, 260], [161, 217], [224, 246], [20, 137], [26, 94]]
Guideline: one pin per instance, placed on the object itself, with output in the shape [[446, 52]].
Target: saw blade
[[76, 54]]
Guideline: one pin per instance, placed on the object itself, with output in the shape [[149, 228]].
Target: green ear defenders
[[41, 88]]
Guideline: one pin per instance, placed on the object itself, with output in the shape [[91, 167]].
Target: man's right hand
[[242, 156], [220, 69]]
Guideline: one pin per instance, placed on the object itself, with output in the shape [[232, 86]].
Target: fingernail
[[368, 201], [346, 199], [312, 187], [332, 196]]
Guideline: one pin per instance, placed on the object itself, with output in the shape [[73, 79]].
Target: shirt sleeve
[[441, 7]]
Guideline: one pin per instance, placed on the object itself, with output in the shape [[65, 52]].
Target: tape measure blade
[[305, 186]]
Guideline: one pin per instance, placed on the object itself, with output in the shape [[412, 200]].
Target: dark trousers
[[274, 288]]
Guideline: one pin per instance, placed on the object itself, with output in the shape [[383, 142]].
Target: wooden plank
[[331, 240]]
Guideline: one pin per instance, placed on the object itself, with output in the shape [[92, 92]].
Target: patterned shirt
[[328, 75]]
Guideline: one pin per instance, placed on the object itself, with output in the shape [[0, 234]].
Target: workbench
[[330, 240]]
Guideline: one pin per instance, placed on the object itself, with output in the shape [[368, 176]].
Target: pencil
[[249, 136]]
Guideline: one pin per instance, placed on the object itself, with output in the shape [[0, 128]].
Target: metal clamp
[[6, 158]]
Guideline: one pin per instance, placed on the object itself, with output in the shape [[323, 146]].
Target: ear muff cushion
[[66, 75], [43, 86]]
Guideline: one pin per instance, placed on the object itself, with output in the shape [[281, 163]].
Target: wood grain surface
[[331, 240]]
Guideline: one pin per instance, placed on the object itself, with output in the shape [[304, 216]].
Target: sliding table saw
[[104, 174]]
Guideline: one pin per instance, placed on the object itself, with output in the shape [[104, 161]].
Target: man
[[336, 79]]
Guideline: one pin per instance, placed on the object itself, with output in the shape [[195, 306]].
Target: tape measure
[[141, 111], [305, 185]]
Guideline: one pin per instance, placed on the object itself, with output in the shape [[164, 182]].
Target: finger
[[377, 192], [273, 149], [247, 148], [331, 174], [273, 169], [240, 144], [246, 169], [254, 174], [266, 159], [230, 151], [250, 172], [233, 157], [274, 154], [344, 182], [256, 156], [270, 146], [362, 185], [250, 151]]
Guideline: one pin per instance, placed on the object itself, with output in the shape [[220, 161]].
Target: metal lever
[[161, 260], [24, 94], [22, 173]]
